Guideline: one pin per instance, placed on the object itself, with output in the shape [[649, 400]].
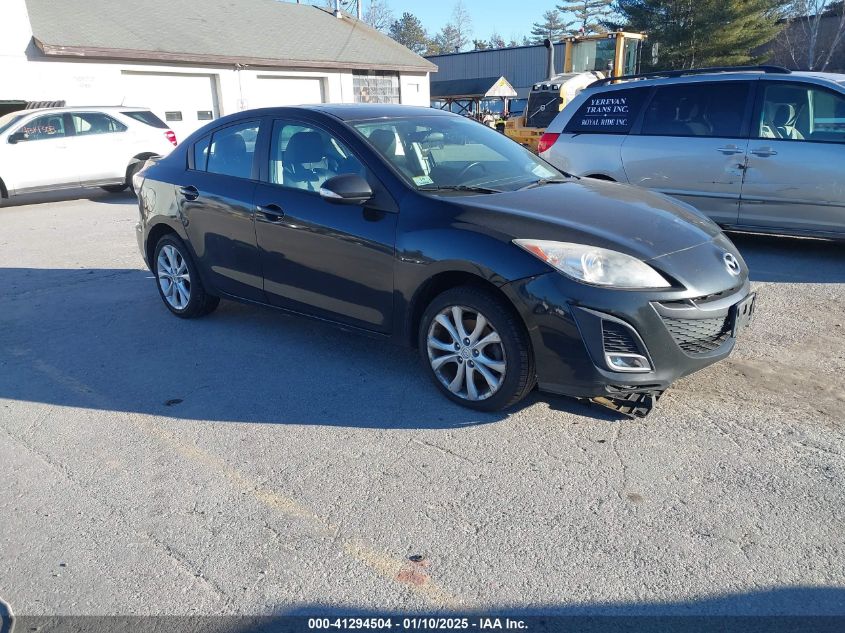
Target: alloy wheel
[[174, 278], [466, 353]]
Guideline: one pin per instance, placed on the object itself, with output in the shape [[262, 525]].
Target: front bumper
[[573, 325]]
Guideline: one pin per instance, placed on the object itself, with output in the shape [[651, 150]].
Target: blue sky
[[509, 18]]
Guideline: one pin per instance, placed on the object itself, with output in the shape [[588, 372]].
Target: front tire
[[476, 349], [178, 281]]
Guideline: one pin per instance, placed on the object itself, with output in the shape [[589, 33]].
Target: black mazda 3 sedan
[[431, 230]]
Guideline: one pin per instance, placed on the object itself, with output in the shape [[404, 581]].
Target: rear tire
[[476, 350], [178, 281]]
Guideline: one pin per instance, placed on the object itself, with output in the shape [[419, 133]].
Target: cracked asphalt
[[252, 462]]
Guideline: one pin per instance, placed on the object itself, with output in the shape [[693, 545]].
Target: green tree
[[409, 32], [480, 45], [698, 33], [553, 27], [589, 14]]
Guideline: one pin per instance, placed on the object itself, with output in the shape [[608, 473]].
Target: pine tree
[[589, 14], [409, 32], [698, 33], [552, 27]]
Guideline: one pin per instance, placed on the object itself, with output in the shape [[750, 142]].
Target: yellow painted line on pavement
[[385, 565]]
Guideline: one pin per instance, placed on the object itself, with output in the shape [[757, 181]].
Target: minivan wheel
[[178, 282], [476, 349]]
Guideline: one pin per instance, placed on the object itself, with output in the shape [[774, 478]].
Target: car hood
[[609, 215]]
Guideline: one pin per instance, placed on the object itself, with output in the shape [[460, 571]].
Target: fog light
[[627, 362]]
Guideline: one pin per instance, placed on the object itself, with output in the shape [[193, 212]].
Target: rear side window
[[232, 149], [85, 123], [697, 109], [145, 116], [608, 112]]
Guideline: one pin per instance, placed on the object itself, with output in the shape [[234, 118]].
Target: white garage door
[[185, 102], [268, 91]]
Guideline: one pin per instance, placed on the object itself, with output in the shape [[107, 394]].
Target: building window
[[375, 87]]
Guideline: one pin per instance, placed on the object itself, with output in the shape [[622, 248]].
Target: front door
[[330, 260], [796, 160], [215, 197], [691, 145], [39, 160]]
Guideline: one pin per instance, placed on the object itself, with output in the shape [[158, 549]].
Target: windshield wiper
[[474, 188], [544, 181]]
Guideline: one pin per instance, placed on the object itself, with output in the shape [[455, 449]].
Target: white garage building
[[194, 60]]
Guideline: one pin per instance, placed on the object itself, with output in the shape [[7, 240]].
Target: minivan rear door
[[796, 160], [691, 144]]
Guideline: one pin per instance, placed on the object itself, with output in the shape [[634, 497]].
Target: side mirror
[[346, 189], [17, 137]]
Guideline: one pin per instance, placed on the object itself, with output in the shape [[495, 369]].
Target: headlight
[[593, 265]]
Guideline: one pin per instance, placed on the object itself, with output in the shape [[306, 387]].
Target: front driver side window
[[305, 157], [797, 112], [51, 126]]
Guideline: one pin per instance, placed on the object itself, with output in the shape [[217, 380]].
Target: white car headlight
[[594, 265]]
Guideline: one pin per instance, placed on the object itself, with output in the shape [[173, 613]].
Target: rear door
[[692, 144], [98, 147], [215, 196], [796, 160]]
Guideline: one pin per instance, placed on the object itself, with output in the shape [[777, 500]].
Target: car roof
[[354, 111], [709, 77]]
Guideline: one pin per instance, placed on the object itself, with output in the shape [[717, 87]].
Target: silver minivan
[[755, 149]]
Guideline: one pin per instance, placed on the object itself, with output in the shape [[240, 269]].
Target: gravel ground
[[252, 462]]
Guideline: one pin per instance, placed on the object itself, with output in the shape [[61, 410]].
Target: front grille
[[699, 336], [617, 339]]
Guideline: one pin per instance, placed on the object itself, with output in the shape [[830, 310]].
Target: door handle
[[190, 192], [729, 150], [764, 152], [272, 212]]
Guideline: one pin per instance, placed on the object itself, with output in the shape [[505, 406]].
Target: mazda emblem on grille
[[732, 264]]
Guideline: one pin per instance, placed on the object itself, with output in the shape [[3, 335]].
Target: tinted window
[[608, 112], [696, 109], [85, 123], [51, 126], [232, 149], [145, 116], [801, 113], [304, 157]]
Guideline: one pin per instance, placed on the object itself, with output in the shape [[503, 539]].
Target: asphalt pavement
[[251, 462]]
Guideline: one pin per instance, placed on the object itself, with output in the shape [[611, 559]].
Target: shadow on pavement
[[102, 339], [782, 610], [792, 260]]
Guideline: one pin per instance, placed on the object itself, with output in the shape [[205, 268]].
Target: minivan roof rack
[[774, 70]]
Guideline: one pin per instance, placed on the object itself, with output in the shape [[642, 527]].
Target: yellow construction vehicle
[[587, 58]]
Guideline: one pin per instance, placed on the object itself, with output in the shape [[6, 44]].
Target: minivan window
[[608, 112], [232, 149], [697, 109], [85, 123], [797, 112], [145, 116]]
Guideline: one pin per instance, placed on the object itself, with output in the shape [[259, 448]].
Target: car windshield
[[8, 120], [454, 153]]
